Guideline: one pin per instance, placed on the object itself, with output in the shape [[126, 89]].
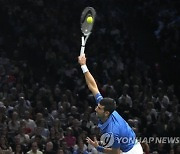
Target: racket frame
[[86, 32]]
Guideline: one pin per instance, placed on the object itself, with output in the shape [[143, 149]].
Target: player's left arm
[[112, 150], [109, 150]]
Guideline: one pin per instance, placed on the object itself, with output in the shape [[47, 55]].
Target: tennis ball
[[89, 20]]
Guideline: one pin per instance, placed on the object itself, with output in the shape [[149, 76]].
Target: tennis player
[[117, 136]]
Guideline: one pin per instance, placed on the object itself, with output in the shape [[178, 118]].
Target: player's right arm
[[90, 81]]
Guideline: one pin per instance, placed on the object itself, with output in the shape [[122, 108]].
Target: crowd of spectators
[[164, 19], [44, 102]]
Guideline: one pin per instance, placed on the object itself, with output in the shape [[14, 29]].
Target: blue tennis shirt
[[116, 132]]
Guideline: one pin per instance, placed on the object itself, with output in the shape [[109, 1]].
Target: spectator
[[4, 144], [30, 124], [80, 148], [24, 138], [18, 149], [60, 151], [22, 105], [34, 149], [125, 99], [69, 138], [14, 123], [49, 148]]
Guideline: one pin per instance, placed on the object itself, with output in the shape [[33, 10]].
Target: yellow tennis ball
[[89, 20]]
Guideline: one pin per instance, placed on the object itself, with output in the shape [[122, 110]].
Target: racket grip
[[82, 50], [82, 40]]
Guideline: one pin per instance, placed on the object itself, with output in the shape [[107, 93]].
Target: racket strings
[[86, 27], [84, 17]]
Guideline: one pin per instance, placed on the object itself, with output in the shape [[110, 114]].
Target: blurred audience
[[44, 104]]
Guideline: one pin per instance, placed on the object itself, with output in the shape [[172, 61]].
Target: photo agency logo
[[108, 139], [155, 140], [165, 140]]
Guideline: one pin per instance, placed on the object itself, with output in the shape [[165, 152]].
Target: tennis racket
[[86, 27]]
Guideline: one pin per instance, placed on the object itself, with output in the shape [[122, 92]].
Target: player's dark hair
[[109, 104]]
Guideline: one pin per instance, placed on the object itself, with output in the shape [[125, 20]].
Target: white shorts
[[137, 149]]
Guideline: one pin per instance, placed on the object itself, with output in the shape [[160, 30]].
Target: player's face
[[100, 111]]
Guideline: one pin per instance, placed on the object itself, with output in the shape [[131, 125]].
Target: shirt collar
[[102, 125]]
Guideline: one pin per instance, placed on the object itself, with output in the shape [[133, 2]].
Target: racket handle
[[82, 41], [82, 46], [82, 50]]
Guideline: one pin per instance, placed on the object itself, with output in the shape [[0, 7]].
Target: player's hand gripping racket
[[86, 25]]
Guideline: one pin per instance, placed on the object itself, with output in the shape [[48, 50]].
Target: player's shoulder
[[116, 122], [117, 117]]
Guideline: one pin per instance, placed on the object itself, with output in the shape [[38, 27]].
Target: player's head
[[105, 107]]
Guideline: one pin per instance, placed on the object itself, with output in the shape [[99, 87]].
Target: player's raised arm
[[91, 83]]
